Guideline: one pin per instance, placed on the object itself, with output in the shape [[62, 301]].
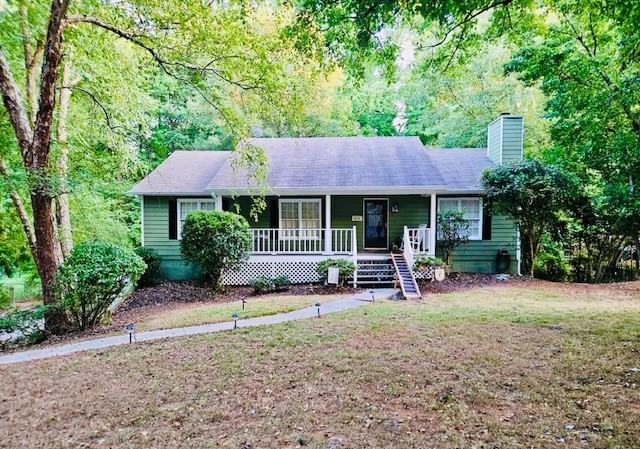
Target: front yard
[[526, 364]]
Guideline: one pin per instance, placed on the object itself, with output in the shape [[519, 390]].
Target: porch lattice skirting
[[298, 272]]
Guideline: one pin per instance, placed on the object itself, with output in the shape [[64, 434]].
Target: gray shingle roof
[[338, 162], [324, 163], [183, 172], [461, 168]]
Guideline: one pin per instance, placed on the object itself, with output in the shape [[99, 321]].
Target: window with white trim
[[188, 205], [472, 210], [300, 214]]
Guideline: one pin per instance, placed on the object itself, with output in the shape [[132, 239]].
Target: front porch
[[339, 224], [293, 234]]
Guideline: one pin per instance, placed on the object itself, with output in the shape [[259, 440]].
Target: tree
[[587, 63], [534, 195], [453, 232], [223, 54], [215, 241]]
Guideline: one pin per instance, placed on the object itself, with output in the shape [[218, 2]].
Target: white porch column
[[327, 230], [433, 220], [218, 200]]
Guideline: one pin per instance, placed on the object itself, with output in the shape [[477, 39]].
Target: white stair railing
[[420, 240], [407, 248]]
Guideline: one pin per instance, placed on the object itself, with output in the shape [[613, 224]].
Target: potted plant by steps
[[429, 267]]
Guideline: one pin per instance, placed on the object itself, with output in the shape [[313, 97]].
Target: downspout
[[141, 220], [518, 252]]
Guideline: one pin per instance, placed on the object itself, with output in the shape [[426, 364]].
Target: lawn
[[529, 364]]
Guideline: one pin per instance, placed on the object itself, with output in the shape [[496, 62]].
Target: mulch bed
[[194, 291], [455, 282]]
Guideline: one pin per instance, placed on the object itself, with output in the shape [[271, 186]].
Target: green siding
[[504, 139], [477, 256], [480, 255], [511, 139], [413, 210], [242, 206], [156, 236]]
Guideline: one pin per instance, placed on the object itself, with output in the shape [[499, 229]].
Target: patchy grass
[[535, 365], [194, 314]]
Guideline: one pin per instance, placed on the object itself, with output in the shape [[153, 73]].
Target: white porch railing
[[303, 241], [419, 239]]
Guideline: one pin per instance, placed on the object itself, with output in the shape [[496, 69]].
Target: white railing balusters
[[300, 241]]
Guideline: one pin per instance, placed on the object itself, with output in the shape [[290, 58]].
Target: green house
[[362, 198]]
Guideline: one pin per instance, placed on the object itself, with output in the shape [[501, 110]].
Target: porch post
[[218, 200], [432, 225], [327, 230]]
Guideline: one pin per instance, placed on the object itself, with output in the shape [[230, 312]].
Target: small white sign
[[332, 275], [356, 218]]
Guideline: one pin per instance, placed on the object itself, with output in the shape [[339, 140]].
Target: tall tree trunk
[[37, 161], [64, 217]]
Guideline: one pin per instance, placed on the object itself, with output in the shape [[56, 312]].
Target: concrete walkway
[[99, 343]]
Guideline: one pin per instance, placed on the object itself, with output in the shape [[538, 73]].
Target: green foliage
[[24, 325], [452, 108], [534, 195], [91, 278], [551, 264], [281, 281], [14, 251], [5, 298], [264, 284], [427, 261], [453, 232], [215, 241], [346, 269], [152, 260]]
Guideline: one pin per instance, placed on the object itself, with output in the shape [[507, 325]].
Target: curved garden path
[[105, 342]]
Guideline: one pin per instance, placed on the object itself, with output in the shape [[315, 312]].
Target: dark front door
[[375, 224]]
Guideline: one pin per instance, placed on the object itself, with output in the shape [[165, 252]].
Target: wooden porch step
[[376, 270], [405, 276]]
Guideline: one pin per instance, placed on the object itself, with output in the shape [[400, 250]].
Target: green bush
[[91, 278], [215, 241], [427, 261], [152, 259], [26, 325], [552, 266], [346, 269], [264, 284], [453, 232], [281, 282]]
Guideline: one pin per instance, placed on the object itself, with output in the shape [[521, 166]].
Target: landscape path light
[[235, 319], [318, 307], [131, 329]]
